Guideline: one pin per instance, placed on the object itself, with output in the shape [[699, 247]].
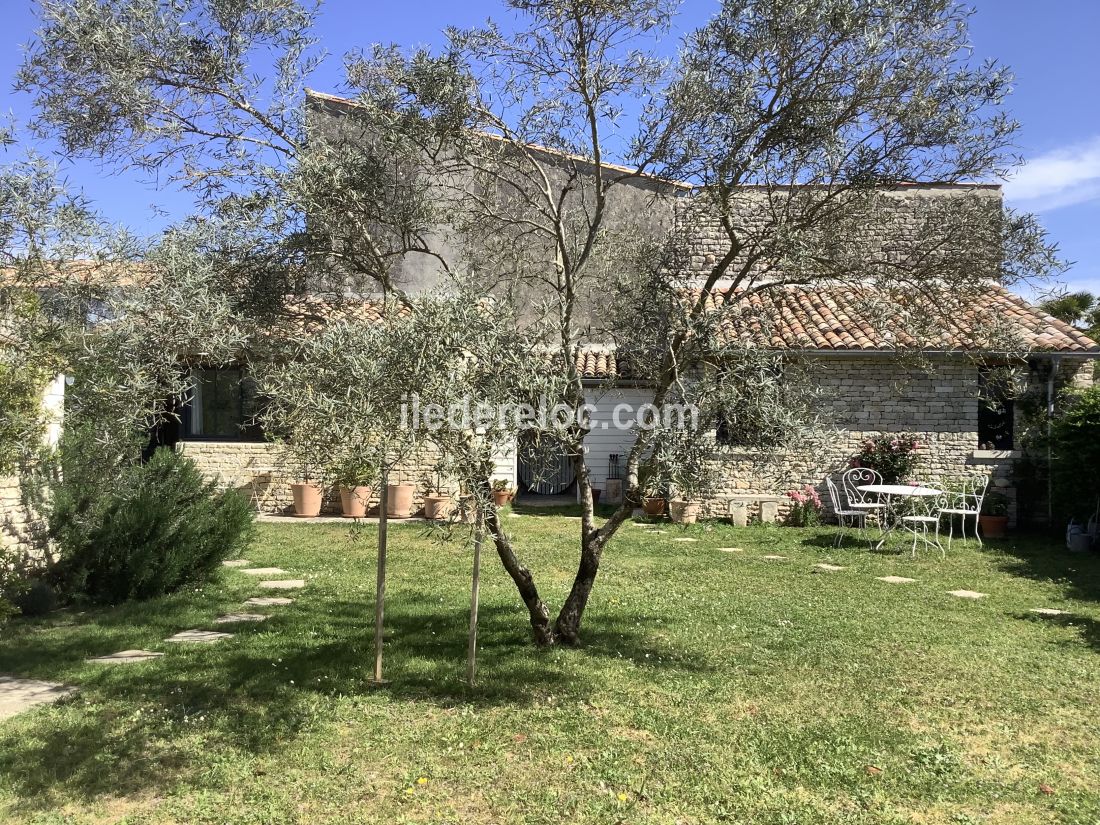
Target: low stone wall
[[257, 469]]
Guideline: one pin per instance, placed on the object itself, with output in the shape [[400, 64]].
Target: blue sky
[[1051, 46]]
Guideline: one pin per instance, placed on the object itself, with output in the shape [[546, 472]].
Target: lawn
[[712, 687]]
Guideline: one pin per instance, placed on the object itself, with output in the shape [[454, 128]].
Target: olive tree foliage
[[208, 95], [121, 318]]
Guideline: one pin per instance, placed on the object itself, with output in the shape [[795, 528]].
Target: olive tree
[[795, 125]]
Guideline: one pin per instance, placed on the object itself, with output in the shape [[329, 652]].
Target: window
[[996, 413], [222, 405]]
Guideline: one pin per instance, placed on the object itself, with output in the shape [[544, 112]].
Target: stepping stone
[[967, 594], [125, 657], [283, 584], [263, 571], [685, 539], [230, 618], [199, 637], [236, 563], [731, 549], [656, 532], [1049, 611], [895, 579], [268, 601], [828, 568], [18, 695], [774, 557], [515, 515]]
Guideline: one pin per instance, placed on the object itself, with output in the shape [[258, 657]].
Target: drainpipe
[[1055, 363]]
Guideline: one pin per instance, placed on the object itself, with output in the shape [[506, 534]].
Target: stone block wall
[[16, 519], [259, 470], [873, 395]]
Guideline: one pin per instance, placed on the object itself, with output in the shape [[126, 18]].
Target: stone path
[[236, 563], [822, 567], [685, 539], [263, 571], [967, 594], [1049, 611], [125, 657], [731, 549], [18, 695], [198, 637], [268, 601], [895, 579], [232, 618], [283, 584], [774, 557]]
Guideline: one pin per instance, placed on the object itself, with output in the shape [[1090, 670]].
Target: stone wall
[[16, 519], [872, 395], [887, 225], [258, 469]]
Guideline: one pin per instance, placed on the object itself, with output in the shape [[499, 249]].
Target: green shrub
[[129, 530], [36, 599], [1075, 449]]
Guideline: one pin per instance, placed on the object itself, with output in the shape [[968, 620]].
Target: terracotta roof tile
[[839, 318]]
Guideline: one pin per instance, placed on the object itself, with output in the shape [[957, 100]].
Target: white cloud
[[1060, 177]]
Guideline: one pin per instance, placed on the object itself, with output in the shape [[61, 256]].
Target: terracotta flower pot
[[399, 500], [307, 499], [437, 508], [993, 527], [654, 506], [501, 497], [354, 501], [684, 512]]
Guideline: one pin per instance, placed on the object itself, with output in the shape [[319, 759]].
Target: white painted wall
[[506, 466], [608, 436]]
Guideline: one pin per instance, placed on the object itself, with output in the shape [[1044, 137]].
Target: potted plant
[[683, 511], [437, 504], [303, 454], [993, 519], [399, 500], [356, 479], [653, 496], [502, 492]]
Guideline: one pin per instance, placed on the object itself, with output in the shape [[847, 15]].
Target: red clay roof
[[840, 318], [850, 318]]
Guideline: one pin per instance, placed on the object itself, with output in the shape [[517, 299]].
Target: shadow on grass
[[1043, 559], [852, 541], [144, 728]]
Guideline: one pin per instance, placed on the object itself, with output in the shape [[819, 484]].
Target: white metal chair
[[846, 518], [963, 502], [928, 513], [855, 478]]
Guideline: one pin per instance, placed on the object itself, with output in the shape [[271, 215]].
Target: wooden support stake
[[471, 655], [380, 589]]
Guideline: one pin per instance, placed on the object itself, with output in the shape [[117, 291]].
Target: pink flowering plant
[[805, 508], [893, 455]]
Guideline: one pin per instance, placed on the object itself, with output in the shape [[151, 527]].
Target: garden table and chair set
[[917, 509]]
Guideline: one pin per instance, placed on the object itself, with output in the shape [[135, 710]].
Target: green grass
[[712, 687]]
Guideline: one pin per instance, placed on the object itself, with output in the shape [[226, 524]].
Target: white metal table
[[888, 492]]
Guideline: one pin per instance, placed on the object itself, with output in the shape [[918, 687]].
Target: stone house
[[858, 351]]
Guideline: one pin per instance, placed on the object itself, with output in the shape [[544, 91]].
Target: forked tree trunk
[[521, 576], [568, 626]]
